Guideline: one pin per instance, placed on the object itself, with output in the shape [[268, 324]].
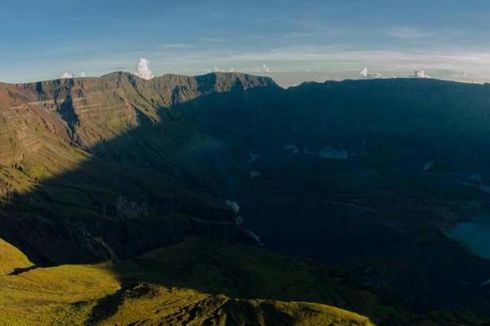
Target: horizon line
[[135, 75]]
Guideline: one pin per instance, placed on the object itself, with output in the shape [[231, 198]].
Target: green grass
[[197, 282], [49, 296], [11, 258], [128, 292], [187, 307]]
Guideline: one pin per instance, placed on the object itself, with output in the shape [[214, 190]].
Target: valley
[[264, 202]]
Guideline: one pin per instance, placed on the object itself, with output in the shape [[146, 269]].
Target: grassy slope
[[170, 306], [128, 292], [198, 282], [48, 296], [11, 258]]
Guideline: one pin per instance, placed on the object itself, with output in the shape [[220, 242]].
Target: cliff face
[[100, 145], [49, 127], [90, 110]]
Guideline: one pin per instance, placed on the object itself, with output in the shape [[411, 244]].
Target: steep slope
[[92, 155], [87, 111]]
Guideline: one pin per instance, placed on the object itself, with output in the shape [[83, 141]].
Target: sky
[[291, 41]]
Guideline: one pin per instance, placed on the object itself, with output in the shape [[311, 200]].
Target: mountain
[[61, 134], [64, 173], [377, 169], [365, 177]]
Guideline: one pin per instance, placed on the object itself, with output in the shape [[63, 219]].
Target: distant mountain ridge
[[112, 102]]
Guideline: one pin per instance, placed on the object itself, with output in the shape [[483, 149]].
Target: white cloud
[[143, 69], [266, 68], [66, 75], [83, 75], [420, 74], [364, 72]]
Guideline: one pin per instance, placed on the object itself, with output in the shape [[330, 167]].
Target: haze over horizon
[[287, 40]]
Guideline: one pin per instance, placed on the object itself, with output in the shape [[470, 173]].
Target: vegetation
[[125, 293], [11, 258], [362, 175]]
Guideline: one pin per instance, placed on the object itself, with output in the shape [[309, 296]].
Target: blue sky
[[290, 40]]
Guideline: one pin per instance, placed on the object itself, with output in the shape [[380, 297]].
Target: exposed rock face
[[80, 141], [90, 110]]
